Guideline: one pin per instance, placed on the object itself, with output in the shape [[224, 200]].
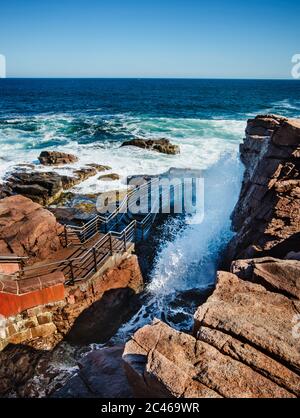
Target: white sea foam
[[201, 142]]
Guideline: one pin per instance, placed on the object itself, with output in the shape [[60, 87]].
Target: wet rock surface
[[46, 188], [101, 375], [26, 372], [162, 145]]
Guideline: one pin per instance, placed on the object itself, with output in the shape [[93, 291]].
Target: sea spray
[[188, 260]]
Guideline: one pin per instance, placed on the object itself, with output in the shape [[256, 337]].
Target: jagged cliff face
[[246, 338], [267, 216]]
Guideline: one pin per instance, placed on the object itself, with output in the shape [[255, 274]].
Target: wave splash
[[185, 267]]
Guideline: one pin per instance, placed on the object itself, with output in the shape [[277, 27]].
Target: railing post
[[95, 259], [66, 235], [111, 244], [72, 272], [135, 231], [125, 240]]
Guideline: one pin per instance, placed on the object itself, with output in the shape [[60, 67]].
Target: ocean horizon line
[[150, 78]]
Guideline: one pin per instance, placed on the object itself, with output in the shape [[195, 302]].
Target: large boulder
[[27, 229], [56, 158], [162, 145], [253, 315]]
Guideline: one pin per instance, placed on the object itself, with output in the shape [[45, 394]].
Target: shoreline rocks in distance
[[162, 145], [56, 158], [109, 177]]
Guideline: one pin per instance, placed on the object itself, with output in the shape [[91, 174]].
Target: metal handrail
[[61, 264], [90, 256], [69, 229]]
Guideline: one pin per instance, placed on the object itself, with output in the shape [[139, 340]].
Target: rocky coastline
[[246, 337]]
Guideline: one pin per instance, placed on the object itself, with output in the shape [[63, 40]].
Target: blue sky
[[157, 38]]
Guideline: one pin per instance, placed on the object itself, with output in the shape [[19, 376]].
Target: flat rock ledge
[[243, 347], [46, 188], [162, 145]]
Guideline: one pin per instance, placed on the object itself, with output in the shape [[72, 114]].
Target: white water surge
[[188, 260]]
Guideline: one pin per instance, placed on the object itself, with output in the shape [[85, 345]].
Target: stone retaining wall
[[43, 318]]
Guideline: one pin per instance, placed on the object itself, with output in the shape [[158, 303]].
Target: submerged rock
[[56, 158], [162, 145], [109, 177], [101, 375]]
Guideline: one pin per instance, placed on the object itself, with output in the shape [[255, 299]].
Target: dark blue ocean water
[[205, 99], [39, 113]]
